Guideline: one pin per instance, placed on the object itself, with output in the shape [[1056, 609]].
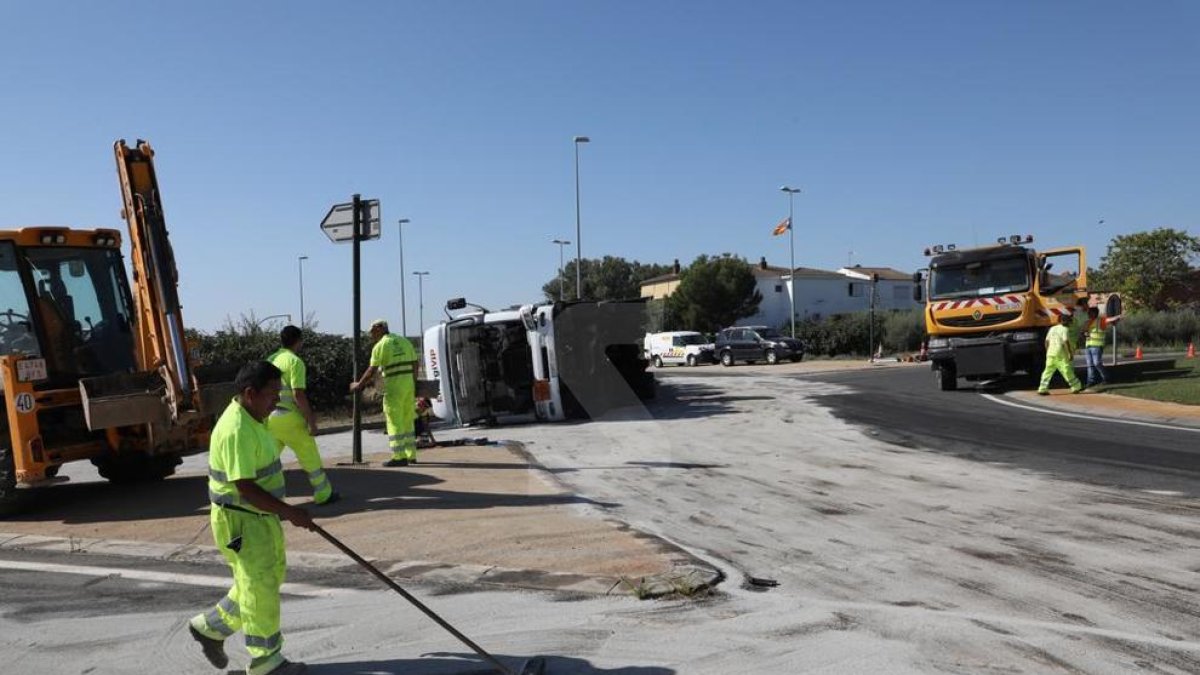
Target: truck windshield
[[82, 304], [979, 278]]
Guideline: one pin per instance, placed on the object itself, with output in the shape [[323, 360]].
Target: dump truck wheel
[[947, 378], [10, 497], [137, 468]]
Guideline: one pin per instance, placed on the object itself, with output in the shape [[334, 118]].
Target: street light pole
[[578, 233], [300, 261], [561, 279], [265, 319], [791, 192], [421, 299], [403, 310]]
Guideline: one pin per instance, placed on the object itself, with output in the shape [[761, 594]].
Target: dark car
[[756, 343]]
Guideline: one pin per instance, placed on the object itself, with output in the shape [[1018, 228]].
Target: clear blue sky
[[905, 123]]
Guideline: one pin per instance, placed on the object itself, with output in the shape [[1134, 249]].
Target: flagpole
[[792, 245]]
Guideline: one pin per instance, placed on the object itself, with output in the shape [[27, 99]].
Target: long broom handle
[[416, 603]]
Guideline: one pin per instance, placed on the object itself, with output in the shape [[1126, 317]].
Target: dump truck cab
[[988, 309]]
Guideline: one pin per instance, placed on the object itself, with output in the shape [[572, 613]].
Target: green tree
[[714, 293], [1145, 266], [610, 278]]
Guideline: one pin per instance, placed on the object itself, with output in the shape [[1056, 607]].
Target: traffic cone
[[1138, 353], [1191, 350]]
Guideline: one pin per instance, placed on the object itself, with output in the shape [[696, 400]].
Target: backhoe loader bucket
[[124, 399], [214, 383]]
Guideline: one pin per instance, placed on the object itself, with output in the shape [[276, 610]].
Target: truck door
[[1062, 277]]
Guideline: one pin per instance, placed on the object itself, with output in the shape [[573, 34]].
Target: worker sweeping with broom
[[245, 486]]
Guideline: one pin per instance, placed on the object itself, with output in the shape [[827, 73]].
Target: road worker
[[1093, 341], [1060, 352], [394, 357], [293, 423], [245, 486]]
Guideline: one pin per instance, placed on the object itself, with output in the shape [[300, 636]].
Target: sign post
[[355, 221]]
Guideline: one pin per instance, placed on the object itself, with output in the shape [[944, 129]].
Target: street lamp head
[[403, 221], [790, 190], [303, 257], [560, 242], [420, 274], [582, 139]]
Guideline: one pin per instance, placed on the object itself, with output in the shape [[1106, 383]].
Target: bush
[[1174, 329], [328, 358]]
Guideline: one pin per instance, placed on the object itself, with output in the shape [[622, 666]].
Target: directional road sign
[[338, 224]]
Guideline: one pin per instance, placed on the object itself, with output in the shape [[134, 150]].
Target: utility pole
[[578, 232], [791, 192], [403, 311]]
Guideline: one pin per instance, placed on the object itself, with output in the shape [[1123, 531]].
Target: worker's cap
[[379, 323]]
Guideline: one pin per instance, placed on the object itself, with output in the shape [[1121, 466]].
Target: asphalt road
[[903, 406], [898, 529]]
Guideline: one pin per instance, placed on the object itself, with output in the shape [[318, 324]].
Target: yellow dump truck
[[92, 366], [987, 309]]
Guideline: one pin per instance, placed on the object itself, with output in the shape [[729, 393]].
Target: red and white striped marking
[[978, 302]]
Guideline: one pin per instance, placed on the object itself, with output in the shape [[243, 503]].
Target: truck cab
[[543, 362], [988, 309]]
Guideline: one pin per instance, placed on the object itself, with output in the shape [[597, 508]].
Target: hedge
[[327, 356]]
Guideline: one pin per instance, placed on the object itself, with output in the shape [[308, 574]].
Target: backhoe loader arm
[[160, 337]]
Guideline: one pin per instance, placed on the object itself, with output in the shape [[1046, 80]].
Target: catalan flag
[[783, 226]]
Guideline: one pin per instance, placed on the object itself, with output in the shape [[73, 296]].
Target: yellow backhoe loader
[[92, 366]]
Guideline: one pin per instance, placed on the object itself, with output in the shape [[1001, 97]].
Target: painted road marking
[[1093, 418], [306, 590]]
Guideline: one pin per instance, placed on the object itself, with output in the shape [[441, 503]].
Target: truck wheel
[[947, 377], [726, 358], [137, 468], [10, 497], [772, 357], [658, 362], [691, 360]]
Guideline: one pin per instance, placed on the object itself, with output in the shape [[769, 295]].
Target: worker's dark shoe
[[214, 650], [290, 668], [333, 497], [413, 460], [1043, 393], [396, 462]]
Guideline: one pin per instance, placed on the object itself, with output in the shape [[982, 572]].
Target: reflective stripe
[[238, 503], [230, 607], [265, 472], [217, 623], [316, 475], [401, 437], [321, 485], [264, 643]]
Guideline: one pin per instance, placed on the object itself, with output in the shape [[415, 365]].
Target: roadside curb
[[1111, 409], [685, 580], [688, 574]]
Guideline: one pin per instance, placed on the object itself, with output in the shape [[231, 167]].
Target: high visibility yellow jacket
[[295, 376], [241, 448], [396, 359]]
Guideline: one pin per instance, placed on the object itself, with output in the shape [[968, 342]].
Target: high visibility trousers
[[400, 411], [258, 561], [291, 429], [1061, 365]]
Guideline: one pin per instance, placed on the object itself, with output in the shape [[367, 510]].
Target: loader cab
[[64, 296]]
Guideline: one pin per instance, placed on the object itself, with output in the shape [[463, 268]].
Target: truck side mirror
[[917, 296], [456, 303]]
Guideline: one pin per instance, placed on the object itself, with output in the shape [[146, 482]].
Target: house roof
[[661, 279], [885, 273], [801, 272]]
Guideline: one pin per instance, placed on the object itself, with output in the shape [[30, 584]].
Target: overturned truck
[[546, 362]]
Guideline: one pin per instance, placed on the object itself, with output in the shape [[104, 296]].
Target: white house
[[819, 293]]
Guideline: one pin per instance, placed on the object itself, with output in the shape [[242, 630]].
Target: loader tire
[[137, 468], [11, 499]]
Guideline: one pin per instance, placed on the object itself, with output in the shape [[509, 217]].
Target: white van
[[678, 348]]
